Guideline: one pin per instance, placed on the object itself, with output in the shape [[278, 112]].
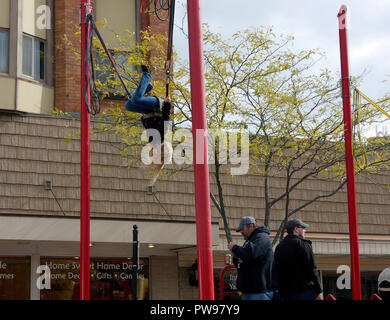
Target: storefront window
[[369, 284], [110, 279], [14, 278]]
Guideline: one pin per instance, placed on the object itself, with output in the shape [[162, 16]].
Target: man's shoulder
[[289, 241], [259, 236], [300, 243], [260, 232], [290, 238]]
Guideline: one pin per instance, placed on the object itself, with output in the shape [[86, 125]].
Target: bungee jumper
[[154, 109], [155, 112]]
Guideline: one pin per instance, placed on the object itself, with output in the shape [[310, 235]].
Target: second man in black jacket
[[295, 268]]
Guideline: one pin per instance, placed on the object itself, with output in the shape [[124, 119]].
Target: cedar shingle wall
[[34, 149]]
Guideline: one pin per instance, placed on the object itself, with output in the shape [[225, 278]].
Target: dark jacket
[[295, 268], [156, 119], [254, 262]]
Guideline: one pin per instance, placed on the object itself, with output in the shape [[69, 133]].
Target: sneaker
[[144, 68]]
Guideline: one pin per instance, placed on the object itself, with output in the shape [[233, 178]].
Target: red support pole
[[201, 170], [352, 213], [84, 163]]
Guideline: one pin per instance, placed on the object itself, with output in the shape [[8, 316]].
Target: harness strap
[[99, 36], [151, 115]]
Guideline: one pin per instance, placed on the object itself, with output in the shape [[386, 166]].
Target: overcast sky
[[314, 24]]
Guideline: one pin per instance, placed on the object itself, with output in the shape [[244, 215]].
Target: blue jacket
[[254, 262]]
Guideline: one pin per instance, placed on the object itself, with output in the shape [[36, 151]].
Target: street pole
[[84, 163], [349, 161], [134, 278], [201, 170]]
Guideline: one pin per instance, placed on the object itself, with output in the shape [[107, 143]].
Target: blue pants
[[304, 295], [257, 296], [140, 104]]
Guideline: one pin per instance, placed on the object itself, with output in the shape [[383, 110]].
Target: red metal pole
[[222, 282], [201, 170], [352, 213], [84, 164]]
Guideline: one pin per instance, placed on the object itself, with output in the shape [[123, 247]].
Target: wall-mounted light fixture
[[48, 185], [193, 274]]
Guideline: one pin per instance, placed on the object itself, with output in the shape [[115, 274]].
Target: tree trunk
[[266, 193], [292, 212], [281, 228], [221, 205]]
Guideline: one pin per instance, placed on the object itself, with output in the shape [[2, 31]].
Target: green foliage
[[294, 113], [257, 82]]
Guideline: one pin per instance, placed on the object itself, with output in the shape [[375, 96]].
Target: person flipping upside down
[[155, 111]]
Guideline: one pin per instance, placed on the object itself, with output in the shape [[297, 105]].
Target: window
[[33, 64], [110, 279], [369, 283], [14, 278], [3, 50], [108, 82]]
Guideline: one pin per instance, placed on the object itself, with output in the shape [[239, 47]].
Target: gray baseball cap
[[296, 223], [245, 220]]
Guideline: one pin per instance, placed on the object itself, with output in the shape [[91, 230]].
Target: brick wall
[[157, 27], [67, 64]]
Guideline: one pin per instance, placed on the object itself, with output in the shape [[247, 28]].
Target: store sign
[[14, 278], [230, 280], [59, 279]]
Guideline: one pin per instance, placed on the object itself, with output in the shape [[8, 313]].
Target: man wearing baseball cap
[[295, 269], [253, 261]]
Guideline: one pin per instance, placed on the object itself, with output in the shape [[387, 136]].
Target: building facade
[[40, 183]]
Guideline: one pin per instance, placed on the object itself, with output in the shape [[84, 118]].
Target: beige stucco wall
[[30, 17], [164, 278], [35, 97], [186, 292], [119, 18], [7, 93], [4, 13]]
